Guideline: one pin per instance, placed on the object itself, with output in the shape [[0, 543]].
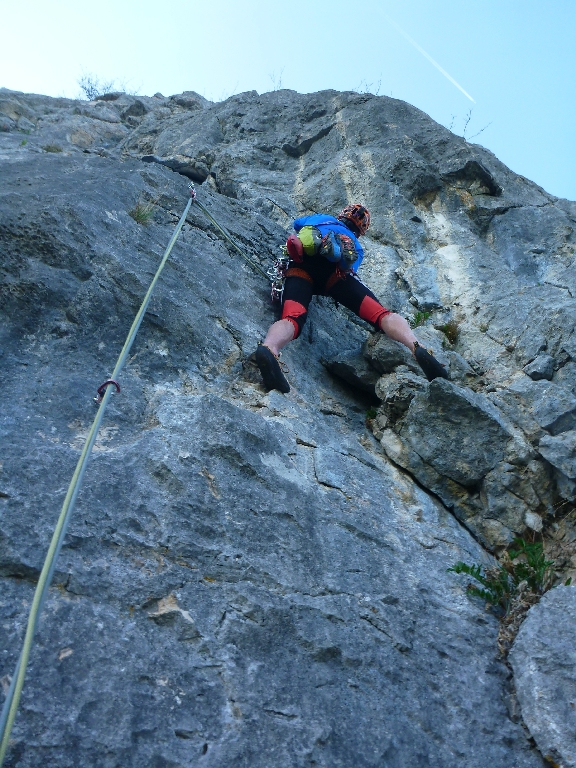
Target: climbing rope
[[104, 391], [246, 258]]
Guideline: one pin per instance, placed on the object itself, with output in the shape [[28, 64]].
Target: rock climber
[[325, 255]]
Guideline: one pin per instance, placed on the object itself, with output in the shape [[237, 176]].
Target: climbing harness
[[338, 274]]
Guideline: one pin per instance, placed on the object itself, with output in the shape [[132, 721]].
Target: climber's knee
[[296, 314], [372, 311]]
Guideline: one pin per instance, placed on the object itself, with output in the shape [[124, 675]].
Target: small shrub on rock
[[451, 329], [513, 586], [142, 212], [92, 87], [523, 563], [371, 414], [419, 319], [52, 148]]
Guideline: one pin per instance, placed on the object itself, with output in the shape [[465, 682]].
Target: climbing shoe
[[426, 360], [270, 369]]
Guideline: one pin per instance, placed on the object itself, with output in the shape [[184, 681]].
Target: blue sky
[[515, 58]]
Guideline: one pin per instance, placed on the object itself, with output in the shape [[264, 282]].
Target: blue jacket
[[326, 224]]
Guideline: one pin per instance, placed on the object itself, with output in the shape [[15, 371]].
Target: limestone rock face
[[544, 661], [253, 579], [560, 451], [541, 368]]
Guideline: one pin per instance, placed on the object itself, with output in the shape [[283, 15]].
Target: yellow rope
[[13, 697], [226, 234]]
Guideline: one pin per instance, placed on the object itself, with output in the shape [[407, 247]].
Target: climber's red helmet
[[357, 215]]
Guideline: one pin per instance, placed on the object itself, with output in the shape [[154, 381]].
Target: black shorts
[[318, 276]]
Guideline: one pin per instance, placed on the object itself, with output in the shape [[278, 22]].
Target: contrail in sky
[[430, 59]]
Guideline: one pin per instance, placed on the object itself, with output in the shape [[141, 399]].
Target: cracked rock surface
[[252, 579], [544, 662]]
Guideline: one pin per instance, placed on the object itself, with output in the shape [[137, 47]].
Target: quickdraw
[[102, 389], [277, 274]]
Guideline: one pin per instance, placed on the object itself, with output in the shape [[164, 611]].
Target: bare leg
[[397, 328], [279, 334]]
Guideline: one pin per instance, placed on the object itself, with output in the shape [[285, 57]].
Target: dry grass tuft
[[142, 212], [451, 329]]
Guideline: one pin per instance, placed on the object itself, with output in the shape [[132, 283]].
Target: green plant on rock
[[52, 148], [530, 565], [495, 584], [419, 318], [451, 329], [523, 568], [142, 212]]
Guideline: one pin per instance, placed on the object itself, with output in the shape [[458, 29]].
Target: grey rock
[[460, 370], [111, 96], [379, 423], [137, 109], [6, 124], [569, 345], [14, 108], [518, 412], [248, 579], [474, 178], [188, 100], [193, 169], [566, 377], [543, 658], [385, 354], [566, 487], [551, 406], [458, 432], [99, 111], [512, 495], [355, 370], [560, 451], [464, 450], [524, 236], [397, 390], [541, 368], [422, 283], [25, 125], [467, 507], [532, 346]]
